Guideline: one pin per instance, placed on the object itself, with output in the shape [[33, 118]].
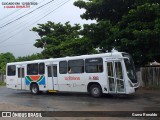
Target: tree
[[128, 25], [112, 10], [58, 40], [30, 57], [139, 33], [101, 34], [4, 59]]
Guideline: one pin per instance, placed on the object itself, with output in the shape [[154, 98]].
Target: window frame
[[52, 71], [110, 71], [100, 64], [37, 70], [55, 74], [21, 73], [43, 68], [81, 66], [66, 67], [14, 70]]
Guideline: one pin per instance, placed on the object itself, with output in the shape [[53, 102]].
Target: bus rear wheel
[[34, 89], [96, 91]]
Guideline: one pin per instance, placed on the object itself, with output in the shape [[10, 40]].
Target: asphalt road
[[142, 100]]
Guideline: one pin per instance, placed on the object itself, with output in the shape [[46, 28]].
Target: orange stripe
[[35, 78]]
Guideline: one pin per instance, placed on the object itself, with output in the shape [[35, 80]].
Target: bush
[[2, 83]]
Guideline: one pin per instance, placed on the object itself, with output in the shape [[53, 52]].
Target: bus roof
[[110, 54]]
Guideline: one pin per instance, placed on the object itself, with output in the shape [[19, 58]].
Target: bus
[[97, 74]]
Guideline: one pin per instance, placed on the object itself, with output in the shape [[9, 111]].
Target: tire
[[96, 91], [34, 89]]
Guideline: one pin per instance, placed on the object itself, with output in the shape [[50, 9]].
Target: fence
[[151, 76]]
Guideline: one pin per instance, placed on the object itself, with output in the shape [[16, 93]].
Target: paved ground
[[142, 100]]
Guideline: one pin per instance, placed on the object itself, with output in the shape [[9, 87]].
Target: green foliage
[[9, 57], [140, 30], [58, 40], [4, 59], [112, 10], [101, 34], [2, 83], [30, 57], [128, 25]]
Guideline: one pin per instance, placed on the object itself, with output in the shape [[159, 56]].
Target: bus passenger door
[[52, 80], [120, 86], [21, 80], [115, 77], [111, 78]]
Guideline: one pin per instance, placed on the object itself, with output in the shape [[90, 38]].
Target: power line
[[20, 13], [26, 14], [36, 21], [51, 11], [28, 20], [11, 13], [16, 44]]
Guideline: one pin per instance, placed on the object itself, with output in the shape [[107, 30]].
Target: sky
[[16, 23]]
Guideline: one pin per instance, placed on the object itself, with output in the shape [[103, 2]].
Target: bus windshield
[[130, 68]]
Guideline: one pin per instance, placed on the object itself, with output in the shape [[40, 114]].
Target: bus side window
[[20, 72], [76, 66], [32, 69], [11, 70], [41, 68], [55, 71], [110, 69], [52, 73], [119, 73], [94, 65], [49, 71], [63, 67]]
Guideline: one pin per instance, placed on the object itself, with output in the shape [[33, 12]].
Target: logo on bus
[[72, 78], [40, 79], [93, 77]]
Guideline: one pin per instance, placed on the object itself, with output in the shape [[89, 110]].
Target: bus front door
[[52, 81], [115, 77], [21, 80]]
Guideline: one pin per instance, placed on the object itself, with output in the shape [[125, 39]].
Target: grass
[[2, 83]]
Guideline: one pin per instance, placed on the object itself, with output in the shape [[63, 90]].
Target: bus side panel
[[64, 83], [11, 82], [79, 82], [99, 78], [72, 82]]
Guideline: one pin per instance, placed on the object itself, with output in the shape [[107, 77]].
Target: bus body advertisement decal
[[72, 78], [36, 78]]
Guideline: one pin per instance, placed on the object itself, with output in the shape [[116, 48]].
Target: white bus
[[107, 73]]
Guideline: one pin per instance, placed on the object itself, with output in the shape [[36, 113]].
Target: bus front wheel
[[34, 89], [96, 91]]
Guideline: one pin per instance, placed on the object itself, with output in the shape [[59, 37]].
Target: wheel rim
[[95, 91], [34, 89]]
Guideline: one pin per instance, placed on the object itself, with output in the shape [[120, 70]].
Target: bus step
[[52, 91]]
